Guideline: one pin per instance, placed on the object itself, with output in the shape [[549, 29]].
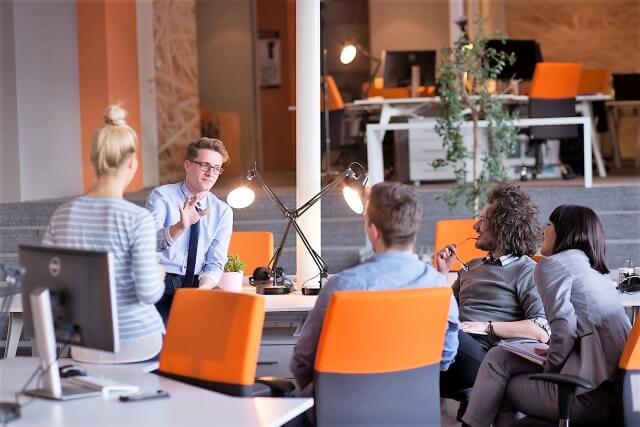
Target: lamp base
[[273, 290], [310, 291]]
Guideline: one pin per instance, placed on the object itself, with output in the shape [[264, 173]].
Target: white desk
[[408, 106], [186, 406], [374, 141]]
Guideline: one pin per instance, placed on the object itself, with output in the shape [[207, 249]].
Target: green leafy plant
[[467, 71], [234, 264]]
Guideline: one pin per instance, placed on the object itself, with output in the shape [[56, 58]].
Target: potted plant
[[467, 71], [231, 279]]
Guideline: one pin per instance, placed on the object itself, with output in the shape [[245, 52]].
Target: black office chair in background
[[553, 94]]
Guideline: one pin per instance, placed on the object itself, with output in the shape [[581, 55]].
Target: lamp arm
[[258, 177], [317, 259], [326, 189]]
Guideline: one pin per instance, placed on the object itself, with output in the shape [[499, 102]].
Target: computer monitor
[[68, 296], [527, 53], [627, 86], [398, 63]]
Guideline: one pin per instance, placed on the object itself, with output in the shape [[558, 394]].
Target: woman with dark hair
[[588, 331]]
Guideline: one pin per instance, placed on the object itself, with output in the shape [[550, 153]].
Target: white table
[[374, 141], [186, 406], [409, 106]]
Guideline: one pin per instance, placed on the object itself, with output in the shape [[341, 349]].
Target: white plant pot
[[231, 281]]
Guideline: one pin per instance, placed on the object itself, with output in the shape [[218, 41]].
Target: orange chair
[[255, 248], [457, 231], [213, 340], [554, 88], [378, 359], [596, 80]]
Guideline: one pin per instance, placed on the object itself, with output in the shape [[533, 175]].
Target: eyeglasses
[[206, 167], [465, 266]]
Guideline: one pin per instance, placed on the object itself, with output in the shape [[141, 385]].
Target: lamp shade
[[353, 199], [348, 53], [241, 197], [353, 191]]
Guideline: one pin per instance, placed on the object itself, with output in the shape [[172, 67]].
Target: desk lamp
[[354, 178], [348, 55]]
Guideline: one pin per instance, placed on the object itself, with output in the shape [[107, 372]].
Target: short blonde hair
[[113, 142]]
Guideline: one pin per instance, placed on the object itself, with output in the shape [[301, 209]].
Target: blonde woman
[[102, 220]]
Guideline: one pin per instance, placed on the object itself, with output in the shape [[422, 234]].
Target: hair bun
[[115, 116]]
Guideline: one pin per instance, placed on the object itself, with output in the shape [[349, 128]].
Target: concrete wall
[[9, 152], [42, 137], [226, 65], [408, 25]]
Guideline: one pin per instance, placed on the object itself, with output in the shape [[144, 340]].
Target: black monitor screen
[[82, 294], [397, 67], [527, 53], [627, 86]]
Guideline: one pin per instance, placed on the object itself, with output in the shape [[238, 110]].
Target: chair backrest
[[594, 80], [629, 368], [378, 358], [456, 231], [627, 86], [213, 340], [555, 80], [335, 97], [553, 94], [255, 248]]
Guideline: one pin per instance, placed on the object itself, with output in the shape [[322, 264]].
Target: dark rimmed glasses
[[206, 167]]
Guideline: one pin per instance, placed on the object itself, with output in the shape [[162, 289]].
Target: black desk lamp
[[354, 178], [348, 54]]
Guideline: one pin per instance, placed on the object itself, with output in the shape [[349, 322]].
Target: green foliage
[[234, 264], [470, 61]]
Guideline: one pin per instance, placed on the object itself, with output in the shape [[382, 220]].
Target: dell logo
[[55, 266]]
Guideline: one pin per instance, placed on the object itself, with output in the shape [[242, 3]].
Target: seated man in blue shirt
[[391, 220], [193, 226]]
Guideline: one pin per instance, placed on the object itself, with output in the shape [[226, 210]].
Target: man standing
[[391, 220], [193, 226], [497, 295]]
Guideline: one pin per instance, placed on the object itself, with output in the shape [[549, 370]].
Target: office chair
[[255, 248], [213, 340], [628, 368], [553, 92], [337, 130], [378, 358], [457, 231]]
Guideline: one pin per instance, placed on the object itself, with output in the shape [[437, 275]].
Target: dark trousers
[[172, 282], [462, 372]]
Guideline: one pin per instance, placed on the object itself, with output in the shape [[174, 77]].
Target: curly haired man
[[497, 295]]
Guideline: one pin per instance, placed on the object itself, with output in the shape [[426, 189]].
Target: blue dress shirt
[[384, 271], [215, 231]]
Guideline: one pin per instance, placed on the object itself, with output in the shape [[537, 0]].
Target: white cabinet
[[425, 146]]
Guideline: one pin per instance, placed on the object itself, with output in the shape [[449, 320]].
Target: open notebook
[[525, 348]]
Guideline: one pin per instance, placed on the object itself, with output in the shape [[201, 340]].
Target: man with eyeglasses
[[193, 225], [496, 294]]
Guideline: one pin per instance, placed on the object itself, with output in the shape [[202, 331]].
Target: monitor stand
[[52, 387]]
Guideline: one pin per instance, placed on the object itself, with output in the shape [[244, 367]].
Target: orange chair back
[[555, 80], [213, 336], [630, 359], [456, 231], [335, 98], [537, 258], [366, 332], [255, 248], [596, 80]]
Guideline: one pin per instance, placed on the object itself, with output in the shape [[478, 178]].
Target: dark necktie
[[192, 252]]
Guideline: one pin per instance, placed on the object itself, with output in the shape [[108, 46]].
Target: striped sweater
[[127, 232]]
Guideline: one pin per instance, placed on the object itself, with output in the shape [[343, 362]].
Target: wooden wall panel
[[174, 29]]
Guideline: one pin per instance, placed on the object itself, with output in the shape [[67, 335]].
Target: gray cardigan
[[589, 327]]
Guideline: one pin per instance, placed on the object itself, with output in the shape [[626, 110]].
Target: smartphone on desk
[[147, 395]]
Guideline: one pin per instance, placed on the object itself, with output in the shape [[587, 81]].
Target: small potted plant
[[231, 279]]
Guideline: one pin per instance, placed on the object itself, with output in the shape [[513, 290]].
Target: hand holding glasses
[[451, 250]]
